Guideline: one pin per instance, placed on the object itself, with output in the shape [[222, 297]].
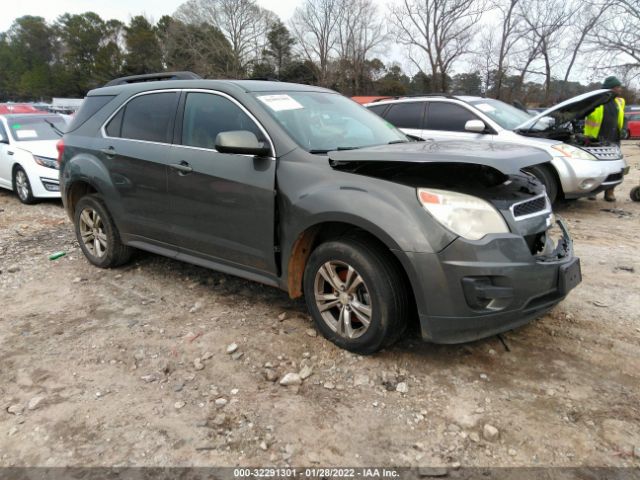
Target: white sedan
[[28, 155]]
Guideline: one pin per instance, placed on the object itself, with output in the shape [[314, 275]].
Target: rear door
[[222, 204], [135, 149], [407, 116], [446, 121], [6, 160]]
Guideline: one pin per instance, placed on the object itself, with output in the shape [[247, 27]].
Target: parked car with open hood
[[28, 154], [300, 188], [579, 166]]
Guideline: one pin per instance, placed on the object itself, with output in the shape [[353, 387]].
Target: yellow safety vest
[[594, 121]]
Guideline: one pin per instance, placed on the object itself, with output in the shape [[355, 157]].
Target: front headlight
[[467, 216], [573, 152], [46, 162]]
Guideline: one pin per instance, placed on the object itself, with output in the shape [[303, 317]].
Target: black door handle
[[109, 152], [10, 152], [183, 167]]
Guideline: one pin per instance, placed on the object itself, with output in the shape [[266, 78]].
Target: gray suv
[[302, 189]]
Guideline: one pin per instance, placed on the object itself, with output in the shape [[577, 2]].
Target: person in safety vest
[[605, 123]]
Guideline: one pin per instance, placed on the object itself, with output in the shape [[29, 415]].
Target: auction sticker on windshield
[[485, 107], [278, 103], [22, 134]]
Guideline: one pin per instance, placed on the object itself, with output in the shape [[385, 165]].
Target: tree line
[[524, 50]]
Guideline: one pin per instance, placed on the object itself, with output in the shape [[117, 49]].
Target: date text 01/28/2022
[[319, 472]]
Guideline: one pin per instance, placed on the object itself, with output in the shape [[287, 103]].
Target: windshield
[[35, 127], [320, 122], [503, 114]]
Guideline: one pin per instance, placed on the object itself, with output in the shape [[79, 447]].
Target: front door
[[446, 121], [222, 204]]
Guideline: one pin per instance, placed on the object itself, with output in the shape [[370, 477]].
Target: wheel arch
[[323, 231], [75, 191]]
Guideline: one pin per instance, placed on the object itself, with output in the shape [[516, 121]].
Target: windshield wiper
[[55, 129], [332, 149], [392, 142]]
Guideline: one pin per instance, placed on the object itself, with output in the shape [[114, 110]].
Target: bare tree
[[484, 57], [548, 21], [618, 41], [314, 25], [587, 22], [360, 29], [243, 23], [440, 31], [511, 30]]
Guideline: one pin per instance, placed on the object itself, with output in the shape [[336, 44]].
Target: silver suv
[[579, 166]]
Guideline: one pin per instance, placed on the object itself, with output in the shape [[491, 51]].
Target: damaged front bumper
[[474, 289]]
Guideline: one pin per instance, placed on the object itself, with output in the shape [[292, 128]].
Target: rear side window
[[448, 116], [90, 106], [147, 117], [206, 115], [378, 109], [406, 115]]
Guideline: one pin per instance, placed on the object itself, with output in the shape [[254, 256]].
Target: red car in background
[[632, 124], [7, 108]]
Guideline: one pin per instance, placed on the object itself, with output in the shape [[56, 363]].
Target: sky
[[120, 9]]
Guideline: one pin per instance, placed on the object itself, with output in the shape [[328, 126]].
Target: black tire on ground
[[383, 289], [97, 234], [22, 186], [635, 194], [548, 179]]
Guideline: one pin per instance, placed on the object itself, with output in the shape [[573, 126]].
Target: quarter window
[[3, 132], [378, 109], [448, 116], [406, 115], [147, 117], [206, 115]]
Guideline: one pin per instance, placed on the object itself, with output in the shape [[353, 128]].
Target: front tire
[[546, 176], [97, 234], [22, 186], [356, 295]]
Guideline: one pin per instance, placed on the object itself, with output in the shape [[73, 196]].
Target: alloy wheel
[[343, 299], [92, 232], [22, 185]]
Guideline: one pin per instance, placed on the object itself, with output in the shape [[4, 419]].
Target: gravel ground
[[160, 363]]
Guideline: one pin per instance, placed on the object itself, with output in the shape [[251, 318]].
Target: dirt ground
[[131, 366]]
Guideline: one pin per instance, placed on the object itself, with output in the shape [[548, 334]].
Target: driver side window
[[207, 114]]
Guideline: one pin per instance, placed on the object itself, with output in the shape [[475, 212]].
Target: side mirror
[[241, 142], [3, 139], [476, 126]]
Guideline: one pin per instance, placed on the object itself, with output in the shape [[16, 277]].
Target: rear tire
[[635, 194], [22, 186], [97, 234], [356, 294], [548, 179]]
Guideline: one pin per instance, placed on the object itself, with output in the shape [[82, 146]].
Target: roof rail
[[413, 95], [152, 77]]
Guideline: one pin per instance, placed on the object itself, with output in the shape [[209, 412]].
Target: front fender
[[386, 210]]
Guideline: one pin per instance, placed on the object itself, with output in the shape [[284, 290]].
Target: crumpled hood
[[505, 157], [573, 109], [41, 148]]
